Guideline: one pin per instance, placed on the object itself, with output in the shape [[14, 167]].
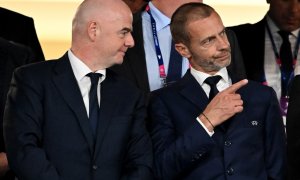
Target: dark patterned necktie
[[93, 101], [286, 58], [212, 81]]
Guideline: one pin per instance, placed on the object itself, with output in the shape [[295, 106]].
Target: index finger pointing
[[234, 87]]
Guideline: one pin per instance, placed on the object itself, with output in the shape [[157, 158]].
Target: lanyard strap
[[279, 61], [162, 71]]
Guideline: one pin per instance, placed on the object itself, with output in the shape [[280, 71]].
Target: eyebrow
[[127, 29], [214, 36], [224, 30]]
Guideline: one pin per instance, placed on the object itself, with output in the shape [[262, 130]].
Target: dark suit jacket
[[251, 145], [134, 65], [48, 136], [19, 28], [12, 55], [293, 130], [251, 38]]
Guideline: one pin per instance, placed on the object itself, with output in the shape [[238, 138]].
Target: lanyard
[[278, 60], [162, 71]]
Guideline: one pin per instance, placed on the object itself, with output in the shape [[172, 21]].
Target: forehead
[[106, 10], [205, 27], [118, 22]]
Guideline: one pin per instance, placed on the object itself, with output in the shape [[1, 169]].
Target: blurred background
[[53, 18]]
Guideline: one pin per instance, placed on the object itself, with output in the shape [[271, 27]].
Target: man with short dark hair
[[150, 63], [210, 125]]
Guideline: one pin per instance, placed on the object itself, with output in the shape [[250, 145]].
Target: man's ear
[[92, 30], [183, 50]]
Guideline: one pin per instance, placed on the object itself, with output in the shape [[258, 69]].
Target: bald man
[[56, 128]]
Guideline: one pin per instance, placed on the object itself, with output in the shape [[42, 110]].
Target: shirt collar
[[161, 20], [80, 69], [201, 76]]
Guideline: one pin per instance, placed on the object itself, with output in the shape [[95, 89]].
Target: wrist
[[207, 123]]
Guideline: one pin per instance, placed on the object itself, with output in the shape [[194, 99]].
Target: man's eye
[[208, 41], [124, 33], [223, 33]]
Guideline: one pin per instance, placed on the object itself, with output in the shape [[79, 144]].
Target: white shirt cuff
[[208, 132]]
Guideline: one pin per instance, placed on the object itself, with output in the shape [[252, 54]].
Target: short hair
[[185, 14]]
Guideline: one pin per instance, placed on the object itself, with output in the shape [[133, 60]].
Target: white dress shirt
[[80, 71]]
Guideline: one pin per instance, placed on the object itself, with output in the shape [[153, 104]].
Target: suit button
[[230, 171], [95, 167], [227, 143]]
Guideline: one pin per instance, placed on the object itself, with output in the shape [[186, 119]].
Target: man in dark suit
[[12, 55], [292, 130], [53, 126], [238, 135], [140, 62], [16, 29], [19, 28], [261, 44]]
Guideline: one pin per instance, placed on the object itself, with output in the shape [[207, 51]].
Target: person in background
[[73, 118], [292, 130], [12, 55], [210, 125], [19, 46], [151, 66], [270, 47], [19, 28]]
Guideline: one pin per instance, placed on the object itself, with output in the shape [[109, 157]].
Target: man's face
[[209, 48], [115, 37], [285, 13]]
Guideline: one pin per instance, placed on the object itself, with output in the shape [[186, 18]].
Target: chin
[[225, 62], [120, 61]]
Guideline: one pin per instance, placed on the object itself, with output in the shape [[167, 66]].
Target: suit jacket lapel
[[193, 92], [66, 83]]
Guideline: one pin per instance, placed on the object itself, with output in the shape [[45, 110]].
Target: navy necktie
[[175, 65], [212, 81], [286, 58], [93, 101]]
